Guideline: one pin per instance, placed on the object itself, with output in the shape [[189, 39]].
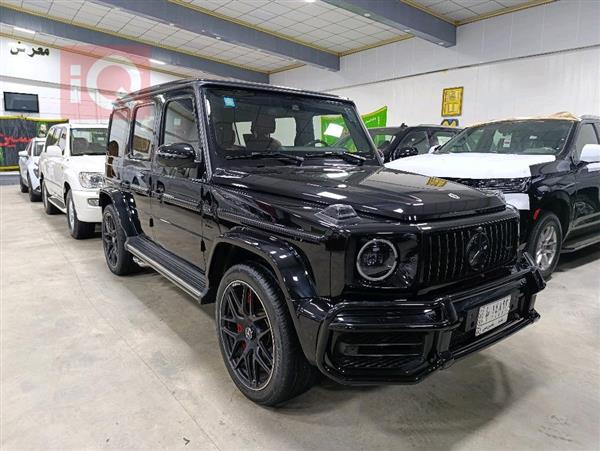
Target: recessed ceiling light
[[171, 24], [152, 60], [367, 14], [407, 31], [441, 43], [24, 30], [218, 38], [310, 1]]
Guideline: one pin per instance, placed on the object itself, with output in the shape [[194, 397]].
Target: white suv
[[29, 170], [71, 172]]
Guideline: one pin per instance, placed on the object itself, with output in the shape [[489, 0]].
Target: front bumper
[[403, 341], [83, 200]]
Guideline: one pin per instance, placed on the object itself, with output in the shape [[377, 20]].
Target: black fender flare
[[125, 207], [286, 262]]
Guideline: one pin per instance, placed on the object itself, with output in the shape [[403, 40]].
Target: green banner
[[372, 120]]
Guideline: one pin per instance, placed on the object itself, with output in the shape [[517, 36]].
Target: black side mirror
[[404, 152], [177, 155]]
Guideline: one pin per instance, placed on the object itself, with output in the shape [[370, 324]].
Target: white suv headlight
[[91, 179]]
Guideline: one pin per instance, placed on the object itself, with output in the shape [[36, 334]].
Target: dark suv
[[316, 257]]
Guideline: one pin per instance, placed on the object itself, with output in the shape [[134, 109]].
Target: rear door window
[[143, 131]]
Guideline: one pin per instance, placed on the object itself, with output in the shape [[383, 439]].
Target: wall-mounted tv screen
[[17, 101]]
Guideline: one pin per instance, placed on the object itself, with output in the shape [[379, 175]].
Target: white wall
[[46, 77], [536, 61]]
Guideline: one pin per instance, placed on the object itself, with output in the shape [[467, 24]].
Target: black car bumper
[[403, 341]]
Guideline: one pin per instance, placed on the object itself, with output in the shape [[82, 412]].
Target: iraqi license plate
[[492, 315]]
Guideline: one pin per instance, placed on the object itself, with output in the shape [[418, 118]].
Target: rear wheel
[[257, 338], [22, 185], [33, 196], [118, 259], [77, 228], [48, 207], [545, 242]]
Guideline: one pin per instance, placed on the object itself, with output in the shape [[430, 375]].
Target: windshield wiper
[[258, 155], [346, 156]]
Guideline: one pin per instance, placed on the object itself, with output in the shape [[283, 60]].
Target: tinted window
[[441, 137], [38, 146], [143, 131], [417, 139], [180, 123], [62, 140], [530, 137], [88, 141], [52, 137], [586, 135], [119, 132]]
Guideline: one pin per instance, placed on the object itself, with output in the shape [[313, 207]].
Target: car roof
[[561, 116], [177, 84], [396, 129], [82, 125], [38, 138]]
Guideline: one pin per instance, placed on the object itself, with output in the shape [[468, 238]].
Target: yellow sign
[[450, 122], [437, 182], [452, 101]]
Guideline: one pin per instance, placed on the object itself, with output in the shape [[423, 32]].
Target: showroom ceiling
[[260, 36]]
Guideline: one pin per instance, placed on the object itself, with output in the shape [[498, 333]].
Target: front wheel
[[78, 229], [545, 242], [33, 196], [257, 338], [22, 185], [118, 259]]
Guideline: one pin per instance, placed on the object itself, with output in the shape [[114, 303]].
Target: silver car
[[29, 180]]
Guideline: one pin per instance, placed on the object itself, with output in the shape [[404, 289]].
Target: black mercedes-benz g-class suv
[[316, 257]]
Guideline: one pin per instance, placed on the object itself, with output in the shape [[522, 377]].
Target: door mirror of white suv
[[23, 154], [53, 151], [590, 153]]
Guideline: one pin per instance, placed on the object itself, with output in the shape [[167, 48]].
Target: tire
[[22, 185], [33, 196], [48, 207], [118, 259], [545, 241], [246, 343], [78, 229]]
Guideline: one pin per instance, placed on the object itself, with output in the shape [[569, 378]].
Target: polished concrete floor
[[90, 360]]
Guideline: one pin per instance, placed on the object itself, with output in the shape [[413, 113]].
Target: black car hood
[[374, 190]]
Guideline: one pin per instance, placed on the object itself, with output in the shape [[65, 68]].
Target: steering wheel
[[316, 141]]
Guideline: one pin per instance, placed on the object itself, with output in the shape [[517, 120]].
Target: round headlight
[[377, 260]]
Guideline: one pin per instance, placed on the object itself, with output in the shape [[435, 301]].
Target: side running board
[[187, 276], [576, 244]]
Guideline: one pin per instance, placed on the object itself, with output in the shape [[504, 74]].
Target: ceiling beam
[[234, 33], [404, 17], [67, 31]]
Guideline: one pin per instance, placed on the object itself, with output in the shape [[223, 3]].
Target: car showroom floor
[[90, 360]]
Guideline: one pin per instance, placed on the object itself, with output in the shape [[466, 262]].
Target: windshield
[[88, 141], [38, 146], [248, 122], [527, 137]]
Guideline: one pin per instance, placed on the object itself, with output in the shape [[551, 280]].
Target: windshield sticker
[[229, 102], [507, 140]]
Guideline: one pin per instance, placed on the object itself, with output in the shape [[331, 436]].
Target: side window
[[585, 135], [119, 132], [180, 126], [62, 140], [417, 139], [143, 131], [51, 139], [29, 147]]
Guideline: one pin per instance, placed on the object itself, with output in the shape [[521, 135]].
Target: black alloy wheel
[[118, 259], [247, 336]]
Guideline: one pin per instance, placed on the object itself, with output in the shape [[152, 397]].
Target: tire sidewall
[[545, 219], [70, 206], [247, 274]]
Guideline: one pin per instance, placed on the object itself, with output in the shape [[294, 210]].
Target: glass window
[[119, 132], [244, 123], [586, 135], [52, 137], [62, 140], [441, 137], [417, 139], [143, 131], [529, 137], [38, 146], [88, 141], [382, 140], [180, 123]]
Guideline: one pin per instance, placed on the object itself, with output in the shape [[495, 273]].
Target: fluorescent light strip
[[24, 30], [156, 61]]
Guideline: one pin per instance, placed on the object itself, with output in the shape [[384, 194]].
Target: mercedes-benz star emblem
[[478, 249], [454, 196]]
